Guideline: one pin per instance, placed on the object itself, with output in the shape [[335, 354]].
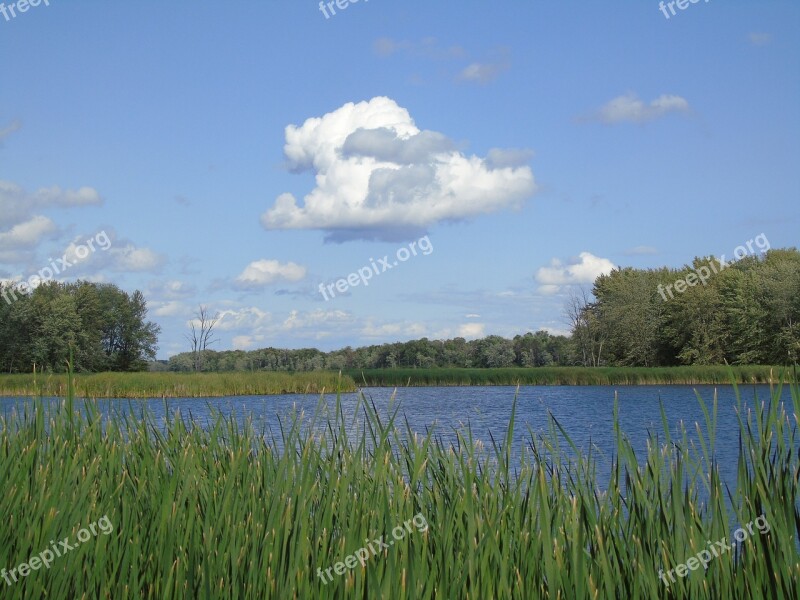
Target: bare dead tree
[[586, 332], [200, 338]]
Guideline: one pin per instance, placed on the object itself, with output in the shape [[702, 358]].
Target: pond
[[585, 412]]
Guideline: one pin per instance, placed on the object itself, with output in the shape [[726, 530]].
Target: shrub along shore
[[176, 385], [221, 511], [258, 383], [693, 375]]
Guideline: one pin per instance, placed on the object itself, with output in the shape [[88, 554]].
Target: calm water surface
[[585, 412]]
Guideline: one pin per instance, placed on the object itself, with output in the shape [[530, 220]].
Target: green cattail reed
[[225, 511]]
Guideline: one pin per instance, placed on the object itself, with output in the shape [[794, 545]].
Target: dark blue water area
[[585, 412]]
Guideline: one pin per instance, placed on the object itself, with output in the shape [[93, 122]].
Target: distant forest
[[747, 312], [530, 350]]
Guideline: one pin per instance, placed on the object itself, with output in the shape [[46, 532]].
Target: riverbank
[[176, 385], [695, 375]]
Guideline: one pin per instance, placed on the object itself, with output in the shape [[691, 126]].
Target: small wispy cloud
[[9, 129], [641, 251], [759, 38], [428, 47], [629, 108], [500, 158], [483, 72]]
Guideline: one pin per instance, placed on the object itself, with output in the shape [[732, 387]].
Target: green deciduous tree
[[103, 326], [745, 313]]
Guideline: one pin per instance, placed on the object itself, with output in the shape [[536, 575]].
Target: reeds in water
[[224, 511]]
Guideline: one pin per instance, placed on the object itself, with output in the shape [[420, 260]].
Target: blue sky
[[239, 155]]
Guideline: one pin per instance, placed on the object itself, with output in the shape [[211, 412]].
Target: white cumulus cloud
[[90, 255], [18, 205], [251, 318], [263, 272], [246, 342], [171, 308], [171, 289], [584, 270], [380, 177], [132, 258], [314, 318], [55, 196], [27, 234], [472, 330], [396, 330]]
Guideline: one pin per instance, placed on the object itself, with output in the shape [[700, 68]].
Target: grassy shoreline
[[176, 385], [695, 375], [262, 383]]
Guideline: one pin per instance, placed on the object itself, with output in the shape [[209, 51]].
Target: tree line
[[103, 327], [706, 313], [745, 312], [701, 314], [530, 350]]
